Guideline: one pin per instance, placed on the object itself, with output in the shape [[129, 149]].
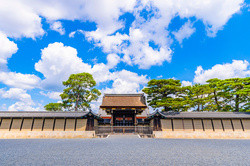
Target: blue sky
[[123, 44]]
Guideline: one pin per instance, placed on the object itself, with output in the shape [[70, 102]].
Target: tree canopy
[[165, 93], [217, 95], [53, 107], [79, 92]]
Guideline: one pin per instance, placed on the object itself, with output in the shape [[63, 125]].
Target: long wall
[[44, 128], [204, 128]]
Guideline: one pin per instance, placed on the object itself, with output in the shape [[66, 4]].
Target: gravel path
[[124, 150]]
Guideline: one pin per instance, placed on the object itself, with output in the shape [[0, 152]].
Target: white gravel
[[124, 150]]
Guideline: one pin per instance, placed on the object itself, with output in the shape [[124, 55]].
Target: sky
[[123, 44]]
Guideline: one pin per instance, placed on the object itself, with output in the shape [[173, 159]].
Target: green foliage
[[79, 91], [78, 94], [217, 95], [165, 93], [53, 107]]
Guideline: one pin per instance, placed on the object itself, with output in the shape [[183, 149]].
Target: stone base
[[202, 134], [46, 134]]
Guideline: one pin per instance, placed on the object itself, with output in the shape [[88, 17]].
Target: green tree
[[198, 97], [79, 91], [236, 92], [165, 93], [53, 107], [216, 95]]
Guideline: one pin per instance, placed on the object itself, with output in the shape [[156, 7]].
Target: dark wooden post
[[212, 124], [222, 124], [242, 125], [232, 124], [193, 124], [10, 124], [21, 124], [135, 122], [202, 125]]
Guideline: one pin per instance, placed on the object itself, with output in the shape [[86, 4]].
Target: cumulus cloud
[[113, 60], [59, 61], [22, 106], [72, 34], [19, 80], [126, 82], [22, 99], [22, 18], [52, 95], [186, 83], [57, 26], [147, 42], [16, 94], [13, 79], [6, 50], [17, 19], [184, 32], [136, 47], [236, 69]]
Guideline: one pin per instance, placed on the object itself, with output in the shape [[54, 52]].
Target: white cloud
[[18, 80], [23, 101], [184, 32], [16, 94], [22, 106], [13, 79], [52, 95], [18, 19], [113, 60], [72, 34], [136, 47], [22, 18], [57, 63], [6, 50], [126, 82], [186, 83], [57, 26], [236, 69]]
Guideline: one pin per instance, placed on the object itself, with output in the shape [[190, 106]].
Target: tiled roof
[[123, 100], [43, 114], [200, 114]]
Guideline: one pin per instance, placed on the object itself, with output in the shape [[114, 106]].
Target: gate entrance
[[141, 130], [124, 118]]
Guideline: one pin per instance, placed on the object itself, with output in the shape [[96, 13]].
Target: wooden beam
[[232, 124], [64, 127], [202, 125], [75, 124], [43, 123], [172, 123], [193, 124], [212, 124], [242, 125], [54, 124], [10, 124], [32, 124], [21, 124], [222, 125]]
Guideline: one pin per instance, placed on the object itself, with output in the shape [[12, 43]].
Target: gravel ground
[[124, 150]]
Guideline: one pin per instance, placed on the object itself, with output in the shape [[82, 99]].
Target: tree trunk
[[237, 103], [76, 106], [216, 101]]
